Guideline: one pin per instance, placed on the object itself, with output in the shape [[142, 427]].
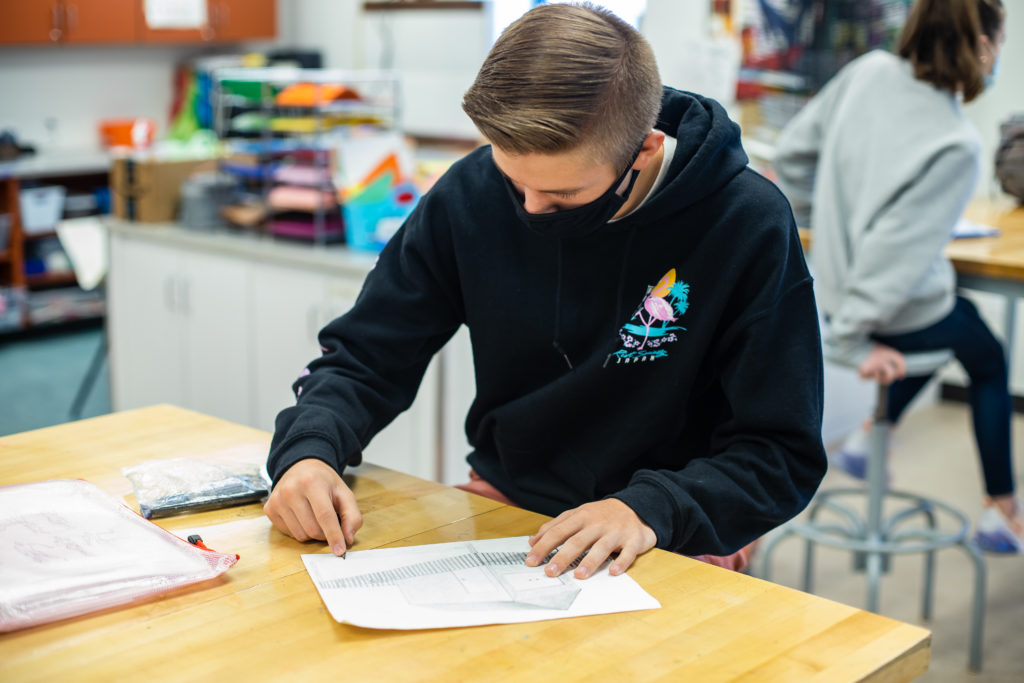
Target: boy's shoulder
[[759, 198]]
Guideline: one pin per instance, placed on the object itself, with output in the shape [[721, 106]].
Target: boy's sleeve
[[374, 356], [766, 457]]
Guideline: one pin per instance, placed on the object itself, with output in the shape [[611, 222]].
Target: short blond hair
[[567, 77]]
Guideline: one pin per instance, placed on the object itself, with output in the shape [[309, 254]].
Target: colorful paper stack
[[377, 206]]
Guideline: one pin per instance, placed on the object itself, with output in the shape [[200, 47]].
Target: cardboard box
[[149, 190]]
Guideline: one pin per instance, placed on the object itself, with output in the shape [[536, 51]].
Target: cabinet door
[[148, 32], [290, 306], [287, 306], [30, 22], [234, 20], [459, 391], [143, 325], [225, 20], [411, 443], [213, 303], [99, 21]]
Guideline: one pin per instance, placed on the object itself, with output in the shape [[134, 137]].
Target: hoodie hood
[[708, 154]]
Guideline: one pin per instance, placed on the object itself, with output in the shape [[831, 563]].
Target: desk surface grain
[[263, 619], [1000, 257]]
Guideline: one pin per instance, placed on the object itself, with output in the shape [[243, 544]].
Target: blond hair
[[567, 77]]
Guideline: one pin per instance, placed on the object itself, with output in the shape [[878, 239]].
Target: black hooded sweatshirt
[[695, 387]]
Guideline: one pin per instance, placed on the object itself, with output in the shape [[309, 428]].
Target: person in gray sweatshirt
[[880, 165]]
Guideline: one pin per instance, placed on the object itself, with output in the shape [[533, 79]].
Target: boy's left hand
[[603, 527]]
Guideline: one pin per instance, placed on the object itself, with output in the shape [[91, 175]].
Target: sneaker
[[995, 535], [852, 457]]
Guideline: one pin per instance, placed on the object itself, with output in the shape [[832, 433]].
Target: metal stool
[[873, 537]]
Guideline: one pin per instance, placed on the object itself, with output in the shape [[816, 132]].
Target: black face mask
[[581, 220]]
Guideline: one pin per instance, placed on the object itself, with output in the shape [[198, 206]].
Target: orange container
[[137, 132]]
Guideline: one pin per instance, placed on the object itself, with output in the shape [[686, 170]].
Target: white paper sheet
[[85, 242], [468, 583], [175, 14], [968, 228]]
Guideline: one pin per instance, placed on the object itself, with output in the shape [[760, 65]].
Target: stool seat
[[925, 362], [874, 532]]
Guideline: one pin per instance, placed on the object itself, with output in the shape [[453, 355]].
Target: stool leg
[[929, 578], [878, 447], [767, 547], [874, 577], [808, 566], [89, 380], [978, 607]]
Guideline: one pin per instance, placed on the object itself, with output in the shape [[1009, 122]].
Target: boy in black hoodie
[[645, 340]]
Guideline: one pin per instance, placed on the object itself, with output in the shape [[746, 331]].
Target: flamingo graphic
[[658, 309]]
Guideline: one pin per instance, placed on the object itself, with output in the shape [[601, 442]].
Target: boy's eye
[[565, 195]]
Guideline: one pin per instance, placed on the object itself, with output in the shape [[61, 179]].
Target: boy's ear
[[652, 143]]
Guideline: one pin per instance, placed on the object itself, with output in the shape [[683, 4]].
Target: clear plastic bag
[[69, 549], [167, 487]]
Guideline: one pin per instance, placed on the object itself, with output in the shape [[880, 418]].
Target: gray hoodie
[[882, 165]]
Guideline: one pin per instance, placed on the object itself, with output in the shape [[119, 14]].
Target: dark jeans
[[981, 355]]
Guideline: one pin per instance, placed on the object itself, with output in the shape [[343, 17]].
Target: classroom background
[[190, 189]]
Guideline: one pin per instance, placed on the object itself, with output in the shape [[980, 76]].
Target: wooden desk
[[984, 262], [263, 619]]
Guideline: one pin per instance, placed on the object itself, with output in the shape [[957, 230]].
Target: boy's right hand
[[311, 501]]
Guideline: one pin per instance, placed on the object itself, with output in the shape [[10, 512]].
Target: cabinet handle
[[169, 298], [212, 22], [185, 302], [70, 17], [56, 22]]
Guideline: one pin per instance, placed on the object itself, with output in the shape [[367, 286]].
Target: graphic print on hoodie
[[653, 323]]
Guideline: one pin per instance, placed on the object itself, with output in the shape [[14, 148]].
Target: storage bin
[[129, 132], [41, 208], [12, 308]]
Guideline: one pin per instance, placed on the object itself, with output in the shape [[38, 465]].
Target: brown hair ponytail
[[940, 39]]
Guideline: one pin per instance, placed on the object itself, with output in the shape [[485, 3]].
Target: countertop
[[251, 246]]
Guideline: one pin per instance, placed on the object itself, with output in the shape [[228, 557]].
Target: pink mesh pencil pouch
[[68, 548]]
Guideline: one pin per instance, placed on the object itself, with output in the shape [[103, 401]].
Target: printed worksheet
[[468, 583]]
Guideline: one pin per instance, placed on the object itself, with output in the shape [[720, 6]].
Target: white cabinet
[[290, 306], [144, 334], [459, 390], [178, 329], [224, 326], [287, 314]]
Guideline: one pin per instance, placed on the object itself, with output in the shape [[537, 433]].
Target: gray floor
[[40, 375], [933, 452]]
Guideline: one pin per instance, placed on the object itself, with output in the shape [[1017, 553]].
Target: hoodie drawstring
[[617, 321], [556, 342]]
